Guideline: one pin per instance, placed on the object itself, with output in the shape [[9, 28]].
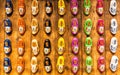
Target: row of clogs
[[114, 42], [35, 44], [21, 43], [61, 41], [35, 26], [47, 61], [101, 45], [101, 41], [7, 43], [22, 26], [88, 44], [47, 44], [22, 7], [21, 64], [61, 7], [74, 30]]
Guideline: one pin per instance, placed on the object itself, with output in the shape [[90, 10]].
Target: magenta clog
[[74, 7], [75, 48], [75, 64], [74, 26]]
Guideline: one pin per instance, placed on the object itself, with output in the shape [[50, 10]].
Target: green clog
[[89, 63], [87, 6], [88, 45], [88, 26]]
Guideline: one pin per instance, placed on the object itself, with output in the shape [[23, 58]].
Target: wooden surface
[[54, 36]]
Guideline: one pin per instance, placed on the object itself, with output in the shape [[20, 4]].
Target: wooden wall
[[41, 36]]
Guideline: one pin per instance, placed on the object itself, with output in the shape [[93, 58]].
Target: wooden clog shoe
[[21, 7], [101, 64], [61, 26], [88, 45], [88, 26], [113, 26], [9, 7], [8, 26], [74, 26], [35, 7], [20, 65], [35, 47], [89, 64], [21, 46], [74, 6], [74, 45], [61, 45], [34, 26], [100, 27], [21, 26], [47, 47], [113, 7], [48, 7], [99, 7], [114, 63], [48, 28], [60, 64], [101, 45], [34, 65], [7, 65], [47, 64], [7, 47], [113, 45], [75, 65], [87, 6], [61, 7]]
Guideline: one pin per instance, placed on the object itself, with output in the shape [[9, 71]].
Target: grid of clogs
[[59, 37]]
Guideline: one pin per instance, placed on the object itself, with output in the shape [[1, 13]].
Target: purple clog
[[75, 48], [74, 26], [74, 7], [75, 64]]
